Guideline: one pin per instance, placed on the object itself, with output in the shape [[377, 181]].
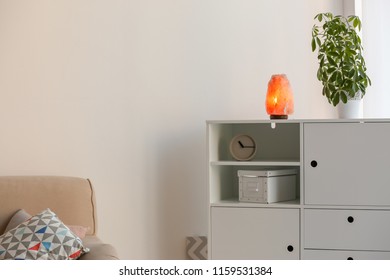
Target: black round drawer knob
[[349, 258], [350, 219], [313, 163], [290, 248]]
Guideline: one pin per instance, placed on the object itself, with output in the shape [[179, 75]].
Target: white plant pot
[[353, 109]]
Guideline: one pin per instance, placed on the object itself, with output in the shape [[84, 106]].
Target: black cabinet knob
[[350, 219], [313, 163], [349, 258], [290, 248]]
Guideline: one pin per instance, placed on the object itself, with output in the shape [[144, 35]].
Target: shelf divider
[[255, 163]]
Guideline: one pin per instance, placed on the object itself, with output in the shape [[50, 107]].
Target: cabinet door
[[254, 233], [347, 163]]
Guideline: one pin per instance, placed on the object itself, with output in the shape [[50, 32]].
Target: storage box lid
[[266, 173]]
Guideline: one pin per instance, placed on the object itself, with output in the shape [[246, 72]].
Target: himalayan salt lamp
[[279, 101]]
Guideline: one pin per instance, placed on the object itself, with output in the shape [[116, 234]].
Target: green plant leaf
[[331, 70], [354, 88], [325, 76], [327, 92], [339, 78], [355, 22], [319, 74], [336, 99], [351, 73], [351, 52], [363, 91], [322, 61], [343, 97], [333, 77], [313, 45], [331, 60], [331, 95], [318, 41]]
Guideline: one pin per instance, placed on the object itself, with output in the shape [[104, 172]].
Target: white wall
[[376, 41], [119, 91]]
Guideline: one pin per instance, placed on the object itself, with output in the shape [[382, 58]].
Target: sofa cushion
[[80, 231], [22, 216], [72, 199], [18, 218], [98, 249], [43, 237]]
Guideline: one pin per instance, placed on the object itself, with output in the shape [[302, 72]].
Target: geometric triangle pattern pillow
[[42, 237]]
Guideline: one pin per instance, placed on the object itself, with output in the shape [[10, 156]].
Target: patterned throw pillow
[[43, 237]]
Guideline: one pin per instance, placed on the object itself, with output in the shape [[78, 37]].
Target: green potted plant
[[342, 69]]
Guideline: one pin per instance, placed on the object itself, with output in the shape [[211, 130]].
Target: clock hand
[[242, 146]]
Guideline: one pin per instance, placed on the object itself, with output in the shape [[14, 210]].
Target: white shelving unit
[[241, 230], [342, 208]]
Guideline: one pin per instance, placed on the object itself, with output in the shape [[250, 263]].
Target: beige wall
[[119, 91]]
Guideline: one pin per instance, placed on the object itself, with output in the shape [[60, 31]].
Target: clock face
[[243, 147]]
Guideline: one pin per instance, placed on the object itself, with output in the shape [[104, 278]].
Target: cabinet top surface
[[298, 121]]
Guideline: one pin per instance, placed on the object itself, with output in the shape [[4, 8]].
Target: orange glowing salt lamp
[[279, 102]]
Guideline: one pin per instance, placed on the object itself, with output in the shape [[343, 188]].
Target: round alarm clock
[[243, 147]]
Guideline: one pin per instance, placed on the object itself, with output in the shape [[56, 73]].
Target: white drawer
[[344, 255], [347, 229]]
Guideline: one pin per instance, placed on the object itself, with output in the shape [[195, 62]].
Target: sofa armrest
[[98, 249]]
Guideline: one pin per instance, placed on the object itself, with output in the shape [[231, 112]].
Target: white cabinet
[[251, 233], [342, 210], [346, 205]]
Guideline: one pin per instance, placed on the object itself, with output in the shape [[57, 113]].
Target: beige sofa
[[72, 199]]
